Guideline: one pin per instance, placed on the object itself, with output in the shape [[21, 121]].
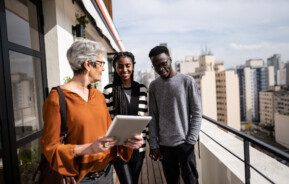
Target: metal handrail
[[251, 139], [248, 139]]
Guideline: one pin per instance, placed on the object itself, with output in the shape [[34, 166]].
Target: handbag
[[44, 174]]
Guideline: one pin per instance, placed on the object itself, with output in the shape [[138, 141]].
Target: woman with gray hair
[[87, 153]]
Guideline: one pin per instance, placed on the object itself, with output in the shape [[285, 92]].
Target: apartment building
[[287, 73], [282, 117], [34, 38], [206, 78], [275, 61], [266, 108], [282, 102], [252, 81], [189, 65], [228, 101]]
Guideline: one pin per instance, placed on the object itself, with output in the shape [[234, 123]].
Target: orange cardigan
[[86, 122]]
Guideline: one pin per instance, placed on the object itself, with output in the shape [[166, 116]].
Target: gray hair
[[81, 51]]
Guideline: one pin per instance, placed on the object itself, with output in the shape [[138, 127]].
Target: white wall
[[59, 16], [271, 79], [218, 166], [282, 129], [188, 67], [233, 100], [248, 93], [208, 94]]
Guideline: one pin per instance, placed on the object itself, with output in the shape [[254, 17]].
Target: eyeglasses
[[162, 64], [100, 63]]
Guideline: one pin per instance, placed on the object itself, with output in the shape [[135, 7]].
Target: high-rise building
[[241, 76], [271, 79], [282, 117], [281, 129], [287, 73], [266, 107], [282, 76], [207, 62], [255, 63], [202, 69], [228, 103], [282, 102], [252, 81], [207, 84], [188, 66], [275, 61], [25, 113]]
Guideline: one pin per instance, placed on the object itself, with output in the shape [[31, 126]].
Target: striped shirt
[[142, 106]]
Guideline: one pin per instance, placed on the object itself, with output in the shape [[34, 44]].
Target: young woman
[[86, 154], [127, 97]]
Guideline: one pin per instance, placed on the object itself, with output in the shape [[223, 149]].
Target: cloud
[[234, 30], [238, 46]]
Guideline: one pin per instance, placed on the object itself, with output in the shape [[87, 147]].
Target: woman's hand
[[102, 144], [135, 142]]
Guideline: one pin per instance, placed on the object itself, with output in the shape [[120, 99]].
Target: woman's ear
[[86, 65]]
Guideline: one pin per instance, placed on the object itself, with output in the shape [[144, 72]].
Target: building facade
[[252, 81], [34, 37], [228, 104], [266, 108], [275, 61]]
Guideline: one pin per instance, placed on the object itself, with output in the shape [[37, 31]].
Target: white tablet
[[125, 126]]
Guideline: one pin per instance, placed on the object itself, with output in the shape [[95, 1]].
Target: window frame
[[8, 151]]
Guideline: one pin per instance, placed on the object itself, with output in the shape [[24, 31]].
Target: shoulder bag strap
[[63, 107]]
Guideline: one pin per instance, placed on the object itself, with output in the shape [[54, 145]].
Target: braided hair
[[120, 102]]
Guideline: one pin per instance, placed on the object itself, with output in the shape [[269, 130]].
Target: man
[[175, 107]]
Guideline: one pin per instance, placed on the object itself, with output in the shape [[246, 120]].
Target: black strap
[[199, 150], [63, 107]]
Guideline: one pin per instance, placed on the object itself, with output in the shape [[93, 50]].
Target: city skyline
[[234, 31]]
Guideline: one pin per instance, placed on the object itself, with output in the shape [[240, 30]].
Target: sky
[[233, 30]]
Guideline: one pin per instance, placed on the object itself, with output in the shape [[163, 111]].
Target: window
[[22, 26], [22, 87], [27, 94], [28, 159]]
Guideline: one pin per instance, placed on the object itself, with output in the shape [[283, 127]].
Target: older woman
[[87, 153]]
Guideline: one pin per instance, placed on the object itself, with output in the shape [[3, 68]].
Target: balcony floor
[[151, 173]]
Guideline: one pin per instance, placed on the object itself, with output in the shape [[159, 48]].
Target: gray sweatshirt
[[175, 107]]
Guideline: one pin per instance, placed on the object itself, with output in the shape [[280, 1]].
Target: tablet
[[126, 126]]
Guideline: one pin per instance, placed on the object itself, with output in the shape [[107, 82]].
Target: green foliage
[[67, 79], [28, 162], [81, 19]]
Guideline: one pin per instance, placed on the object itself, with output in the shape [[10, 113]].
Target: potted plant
[[79, 29]]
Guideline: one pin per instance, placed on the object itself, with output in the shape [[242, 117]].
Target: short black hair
[[158, 50]]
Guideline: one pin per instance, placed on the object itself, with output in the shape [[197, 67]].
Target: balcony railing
[[226, 141], [247, 140]]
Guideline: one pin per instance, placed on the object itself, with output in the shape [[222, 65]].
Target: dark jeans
[[179, 158], [128, 173], [106, 178]]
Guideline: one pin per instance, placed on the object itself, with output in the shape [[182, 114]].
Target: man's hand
[[155, 154]]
